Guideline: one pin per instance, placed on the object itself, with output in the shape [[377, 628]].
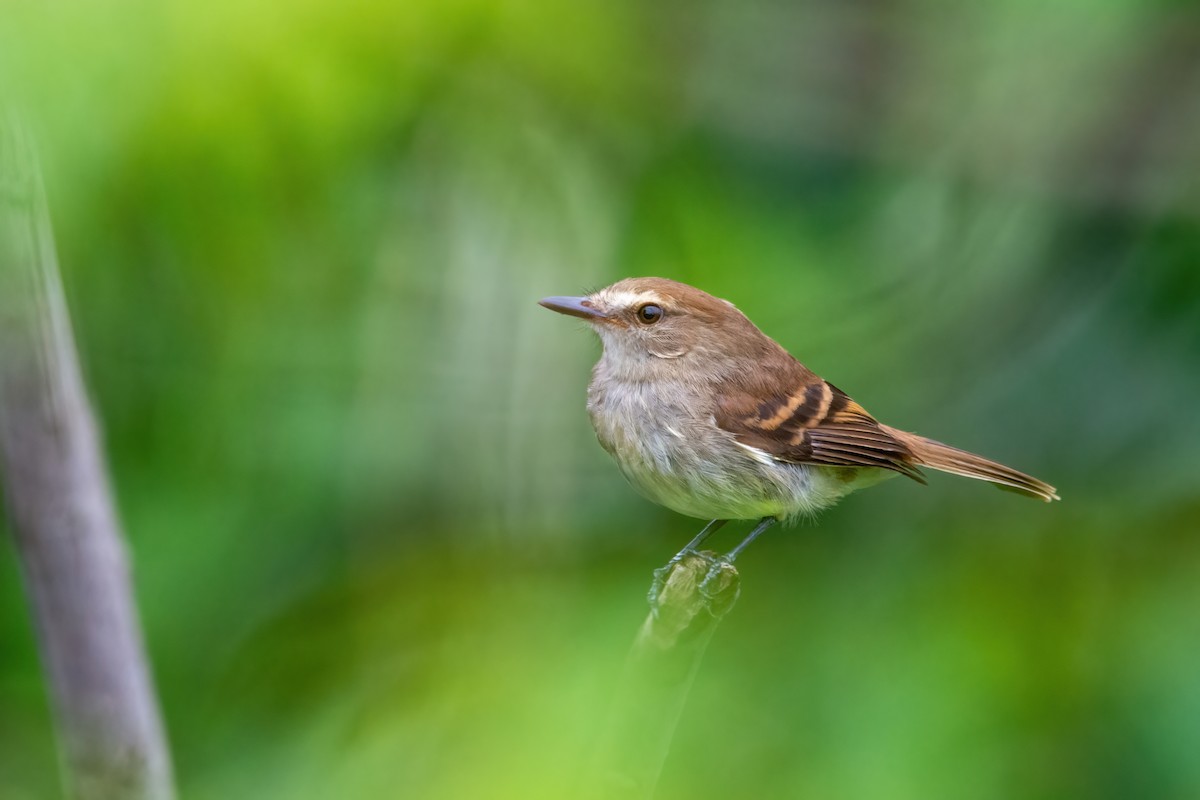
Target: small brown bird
[[710, 417]]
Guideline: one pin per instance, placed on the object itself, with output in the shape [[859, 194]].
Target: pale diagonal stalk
[[657, 678], [61, 511]]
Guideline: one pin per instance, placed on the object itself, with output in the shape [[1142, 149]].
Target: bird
[[708, 416]]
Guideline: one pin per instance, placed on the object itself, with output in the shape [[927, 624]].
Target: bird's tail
[[959, 462]]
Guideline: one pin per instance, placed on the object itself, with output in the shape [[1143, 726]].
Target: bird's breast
[[666, 443], [642, 424]]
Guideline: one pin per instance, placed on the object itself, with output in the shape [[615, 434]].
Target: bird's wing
[[806, 420]]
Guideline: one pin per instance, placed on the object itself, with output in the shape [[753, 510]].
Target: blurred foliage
[[377, 550]]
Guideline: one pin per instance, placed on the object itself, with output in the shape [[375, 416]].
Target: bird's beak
[[573, 306]]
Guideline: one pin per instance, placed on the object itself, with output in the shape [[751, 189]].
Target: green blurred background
[[378, 552]]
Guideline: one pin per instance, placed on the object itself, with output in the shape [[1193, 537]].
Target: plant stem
[[64, 525], [657, 679]]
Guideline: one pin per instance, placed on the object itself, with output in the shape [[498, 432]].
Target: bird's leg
[[660, 574], [728, 558], [763, 524]]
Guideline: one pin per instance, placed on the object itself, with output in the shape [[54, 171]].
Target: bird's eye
[[649, 314]]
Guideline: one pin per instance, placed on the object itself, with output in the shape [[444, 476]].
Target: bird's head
[[644, 322]]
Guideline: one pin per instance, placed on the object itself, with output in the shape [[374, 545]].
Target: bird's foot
[[660, 580], [696, 581], [721, 585], [663, 573]]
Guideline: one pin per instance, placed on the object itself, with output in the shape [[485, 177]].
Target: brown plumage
[[943, 457], [807, 420], [707, 415]]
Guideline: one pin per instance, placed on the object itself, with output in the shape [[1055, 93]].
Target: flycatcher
[[710, 417]]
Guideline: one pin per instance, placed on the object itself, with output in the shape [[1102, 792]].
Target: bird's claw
[[660, 580], [709, 585], [664, 572], [720, 587]]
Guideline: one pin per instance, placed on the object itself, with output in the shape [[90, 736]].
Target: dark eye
[[649, 314]]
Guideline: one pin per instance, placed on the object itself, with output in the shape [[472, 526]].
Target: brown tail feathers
[[959, 462]]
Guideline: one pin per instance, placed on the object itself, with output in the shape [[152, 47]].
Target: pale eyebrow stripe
[[625, 298]]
